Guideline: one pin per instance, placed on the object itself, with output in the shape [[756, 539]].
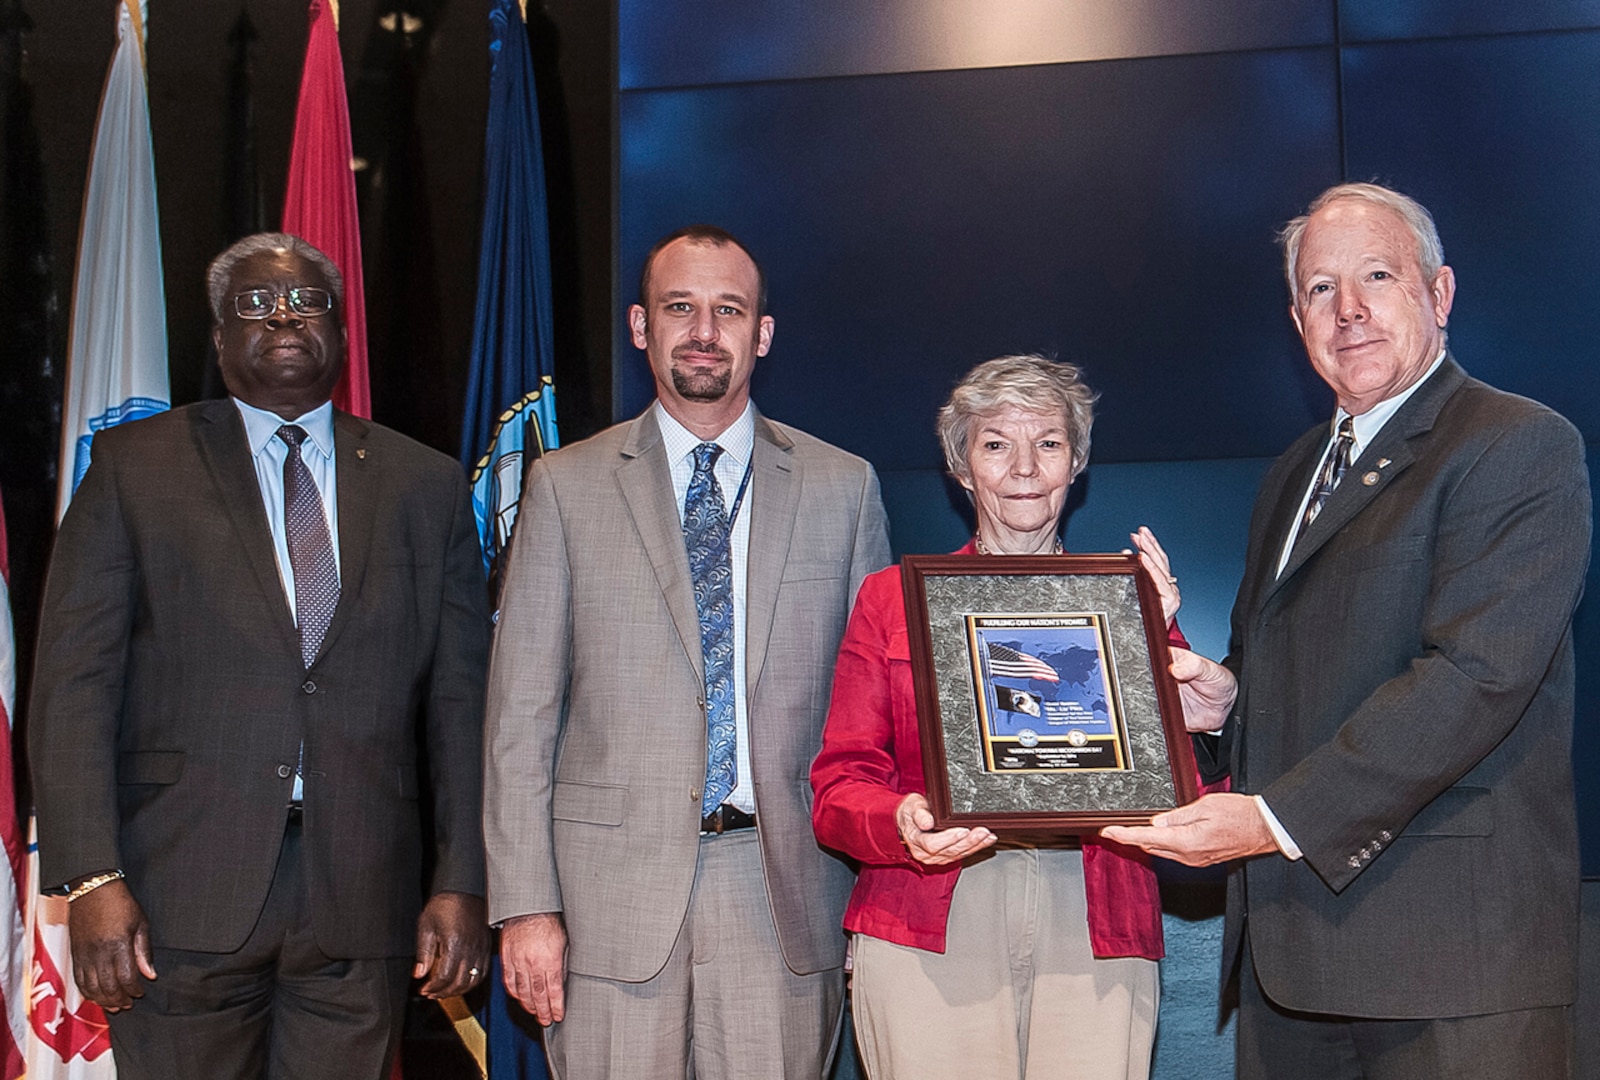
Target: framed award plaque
[[1043, 693]]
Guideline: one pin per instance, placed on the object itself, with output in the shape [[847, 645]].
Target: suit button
[[1384, 836], [1355, 863], [285, 771], [308, 687], [694, 794]]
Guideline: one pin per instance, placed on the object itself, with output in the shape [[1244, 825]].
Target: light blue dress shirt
[[269, 453]]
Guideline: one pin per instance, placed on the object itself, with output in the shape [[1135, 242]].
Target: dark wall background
[[417, 74], [930, 184]]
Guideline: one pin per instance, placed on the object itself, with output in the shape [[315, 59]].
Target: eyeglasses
[[305, 302]]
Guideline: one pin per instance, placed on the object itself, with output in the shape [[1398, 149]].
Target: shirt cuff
[[1280, 835]]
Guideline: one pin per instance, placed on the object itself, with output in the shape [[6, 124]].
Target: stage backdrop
[[930, 183]]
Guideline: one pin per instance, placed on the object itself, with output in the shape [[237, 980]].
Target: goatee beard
[[702, 385]]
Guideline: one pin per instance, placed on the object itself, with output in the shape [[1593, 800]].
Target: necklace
[[983, 549]]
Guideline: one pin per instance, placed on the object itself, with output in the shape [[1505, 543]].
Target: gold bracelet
[[94, 883]]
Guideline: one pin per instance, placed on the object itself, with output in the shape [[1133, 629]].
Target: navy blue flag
[[511, 409]]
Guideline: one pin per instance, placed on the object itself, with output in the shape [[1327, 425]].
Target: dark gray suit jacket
[[1405, 707], [170, 699]]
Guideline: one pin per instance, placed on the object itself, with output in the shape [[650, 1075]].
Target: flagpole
[[136, 14]]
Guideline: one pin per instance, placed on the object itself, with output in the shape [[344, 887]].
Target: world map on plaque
[[1046, 693]]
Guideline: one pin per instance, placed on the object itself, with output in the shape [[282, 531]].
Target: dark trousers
[[278, 1008], [1275, 1043]]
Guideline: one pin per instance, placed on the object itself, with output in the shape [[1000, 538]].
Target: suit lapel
[[1389, 455], [357, 499], [646, 481], [774, 499], [225, 451], [1284, 516]]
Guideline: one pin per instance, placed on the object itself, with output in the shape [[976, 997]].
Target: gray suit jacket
[[1405, 707], [596, 733], [170, 699]]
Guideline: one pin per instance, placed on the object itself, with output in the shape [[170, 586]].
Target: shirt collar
[[261, 426], [1369, 423], [737, 440]]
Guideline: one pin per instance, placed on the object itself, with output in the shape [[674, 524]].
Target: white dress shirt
[[738, 444]]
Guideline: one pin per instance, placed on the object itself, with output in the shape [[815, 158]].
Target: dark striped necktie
[[1332, 471], [316, 574]]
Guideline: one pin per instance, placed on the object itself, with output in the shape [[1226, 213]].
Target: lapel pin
[[362, 453], [1369, 479], [1383, 463]]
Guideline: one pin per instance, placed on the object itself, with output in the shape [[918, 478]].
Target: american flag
[[1009, 663]]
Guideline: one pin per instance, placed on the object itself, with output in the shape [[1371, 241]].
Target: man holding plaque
[[670, 618], [1396, 707]]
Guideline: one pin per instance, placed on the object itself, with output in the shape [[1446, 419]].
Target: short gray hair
[[1430, 251], [220, 272], [1029, 382]]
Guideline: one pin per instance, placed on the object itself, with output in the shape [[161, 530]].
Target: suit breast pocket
[[1382, 553], [796, 570], [150, 767]]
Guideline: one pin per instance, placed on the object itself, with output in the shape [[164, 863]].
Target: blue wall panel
[[1376, 20], [1500, 138], [930, 185], [1120, 215]]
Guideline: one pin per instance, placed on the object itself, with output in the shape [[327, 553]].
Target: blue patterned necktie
[[1328, 477], [316, 575], [706, 534]]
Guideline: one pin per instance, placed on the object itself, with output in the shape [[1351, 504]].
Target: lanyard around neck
[[738, 500]]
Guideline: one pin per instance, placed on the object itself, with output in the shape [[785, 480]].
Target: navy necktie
[[1328, 477], [706, 534], [316, 574]]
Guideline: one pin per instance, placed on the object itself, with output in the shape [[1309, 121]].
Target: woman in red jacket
[[972, 957]]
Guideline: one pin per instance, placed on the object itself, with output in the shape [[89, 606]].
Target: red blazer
[[872, 758]]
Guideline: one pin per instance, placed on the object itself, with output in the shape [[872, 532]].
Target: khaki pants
[[1017, 992], [725, 1007]]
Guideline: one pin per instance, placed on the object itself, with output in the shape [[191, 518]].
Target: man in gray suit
[[261, 613], [665, 906], [1396, 706]]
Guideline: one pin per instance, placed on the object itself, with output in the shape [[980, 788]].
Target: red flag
[[320, 205], [13, 1000], [81, 1033]]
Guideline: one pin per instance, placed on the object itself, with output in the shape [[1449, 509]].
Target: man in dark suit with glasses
[[263, 646]]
